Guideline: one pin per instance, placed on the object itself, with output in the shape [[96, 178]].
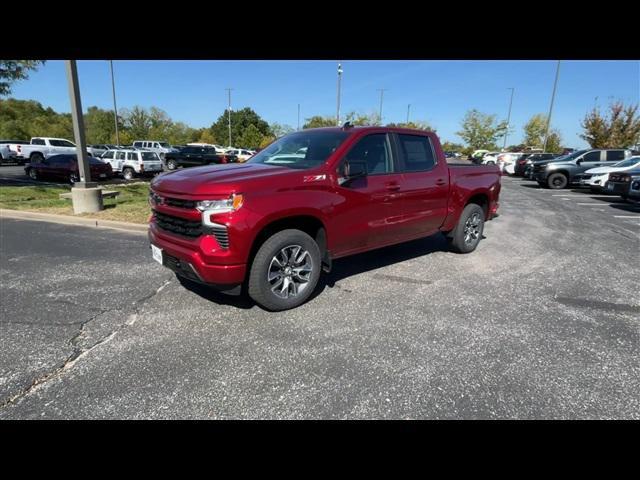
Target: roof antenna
[[347, 125]]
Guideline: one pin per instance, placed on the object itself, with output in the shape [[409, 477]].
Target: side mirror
[[352, 170], [579, 161]]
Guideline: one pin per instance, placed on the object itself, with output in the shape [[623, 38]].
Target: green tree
[[240, 121], [414, 125], [279, 130], [534, 132], [14, 70], [362, 119], [452, 147], [205, 136], [137, 122], [318, 121], [481, 131], [251, 137], [618, 129], [99, 125]]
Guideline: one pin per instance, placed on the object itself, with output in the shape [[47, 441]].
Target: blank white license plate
[[157, 254], [103, 175]]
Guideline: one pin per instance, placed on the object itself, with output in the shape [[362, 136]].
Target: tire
[[491, 162], [33, 174], [557, 181], [468, 232], [36, 158], [128, 173], [73, 178], [270, 262], [171, 164]]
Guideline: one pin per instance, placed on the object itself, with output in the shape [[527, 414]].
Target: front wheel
[[171, 164], [557, 181], [285, 271], [468, 232]]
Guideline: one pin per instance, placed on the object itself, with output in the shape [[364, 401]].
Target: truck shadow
[[342, 268]]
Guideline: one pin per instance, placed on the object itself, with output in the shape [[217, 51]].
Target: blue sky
[[440, 92]]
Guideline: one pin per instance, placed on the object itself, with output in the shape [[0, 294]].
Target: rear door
[[591, 159], [371, 208], [613, 157], [424, 185]]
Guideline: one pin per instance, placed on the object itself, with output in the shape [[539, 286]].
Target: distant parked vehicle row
[[40, 148], [241, 154], [196, 156], [161, 148]]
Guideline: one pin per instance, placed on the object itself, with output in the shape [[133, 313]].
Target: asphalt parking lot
[[14, 175], [541, 321]]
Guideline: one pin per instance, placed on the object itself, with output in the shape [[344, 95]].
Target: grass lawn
[[130, 206]]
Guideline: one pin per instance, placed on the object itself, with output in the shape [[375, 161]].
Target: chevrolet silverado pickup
[[272, 224]]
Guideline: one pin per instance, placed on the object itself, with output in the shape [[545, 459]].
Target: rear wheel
[[128, 173], [557, 181], [468, 232], [171, 164], [285, 270], [36, 158], [73, 178], [33, 174]]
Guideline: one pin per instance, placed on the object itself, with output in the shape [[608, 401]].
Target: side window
[[108, 155], [375, 151], [592, 156], [615, 155], [156, 145], [132, 156], [120, 155], [137, 144], [37, 141], [416, 152]]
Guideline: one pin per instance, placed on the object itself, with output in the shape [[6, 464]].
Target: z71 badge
[[314, 178]]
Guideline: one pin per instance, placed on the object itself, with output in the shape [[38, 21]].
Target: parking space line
[[627, 216], [596, 204]]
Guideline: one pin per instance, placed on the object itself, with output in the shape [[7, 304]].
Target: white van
[[161, 148], [130, 163]]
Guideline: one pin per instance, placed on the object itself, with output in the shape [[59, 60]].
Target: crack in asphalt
[[78, 353]]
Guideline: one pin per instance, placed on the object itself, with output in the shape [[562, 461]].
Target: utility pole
[[339, 81], [85, 195], [408, 108], [115, 108], [298, 116], [381, 90], [508, 119], [553, 96], [229, 110]]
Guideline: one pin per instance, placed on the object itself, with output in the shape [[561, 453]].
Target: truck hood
[[216, 179]]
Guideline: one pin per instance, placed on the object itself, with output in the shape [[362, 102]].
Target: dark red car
[[278, 220], [65, 168]]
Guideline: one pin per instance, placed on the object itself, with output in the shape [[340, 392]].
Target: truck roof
[[360, 128]]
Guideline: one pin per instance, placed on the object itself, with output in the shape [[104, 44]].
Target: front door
[[370, 208]]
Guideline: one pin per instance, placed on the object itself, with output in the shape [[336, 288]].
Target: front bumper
[[190, 263], [618, 188]]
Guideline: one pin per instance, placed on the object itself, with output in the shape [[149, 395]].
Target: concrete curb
[[69, 220]]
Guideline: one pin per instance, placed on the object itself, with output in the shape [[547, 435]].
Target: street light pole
[[381, 90], [408, 108], [115, 108], [508, 119], [298, 116], [553, 96], [229, 110], [85, 194], [338, 107]]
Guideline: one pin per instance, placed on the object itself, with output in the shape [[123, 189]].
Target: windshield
[[165, 145], [629, 162], [301, 150], [571, 156], [149, 155]]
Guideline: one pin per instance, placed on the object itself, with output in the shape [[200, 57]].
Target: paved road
[[542, 321]]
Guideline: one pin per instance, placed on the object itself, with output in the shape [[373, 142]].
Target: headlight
[[231, 204], [551, 166]]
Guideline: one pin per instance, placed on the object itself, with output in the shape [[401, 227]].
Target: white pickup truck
[[41, 148]]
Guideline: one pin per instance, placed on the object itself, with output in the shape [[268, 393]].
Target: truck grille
[[538, 168], [176, 202], [179, 226]]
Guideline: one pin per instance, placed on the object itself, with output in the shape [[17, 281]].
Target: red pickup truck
[[310, 197]]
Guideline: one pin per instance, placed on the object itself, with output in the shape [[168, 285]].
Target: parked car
[[620, 183], [64, 168], [490, 158], [132, 163], [242, 154], [196, 157], [161, 148], [277, 224], [634, 188], [98, 150], [564, 171], [596, 178], [507, 161], [476, 156], [523, 162], [42, 147]]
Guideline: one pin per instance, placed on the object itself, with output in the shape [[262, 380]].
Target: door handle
[[440, 182], [392, 187]]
